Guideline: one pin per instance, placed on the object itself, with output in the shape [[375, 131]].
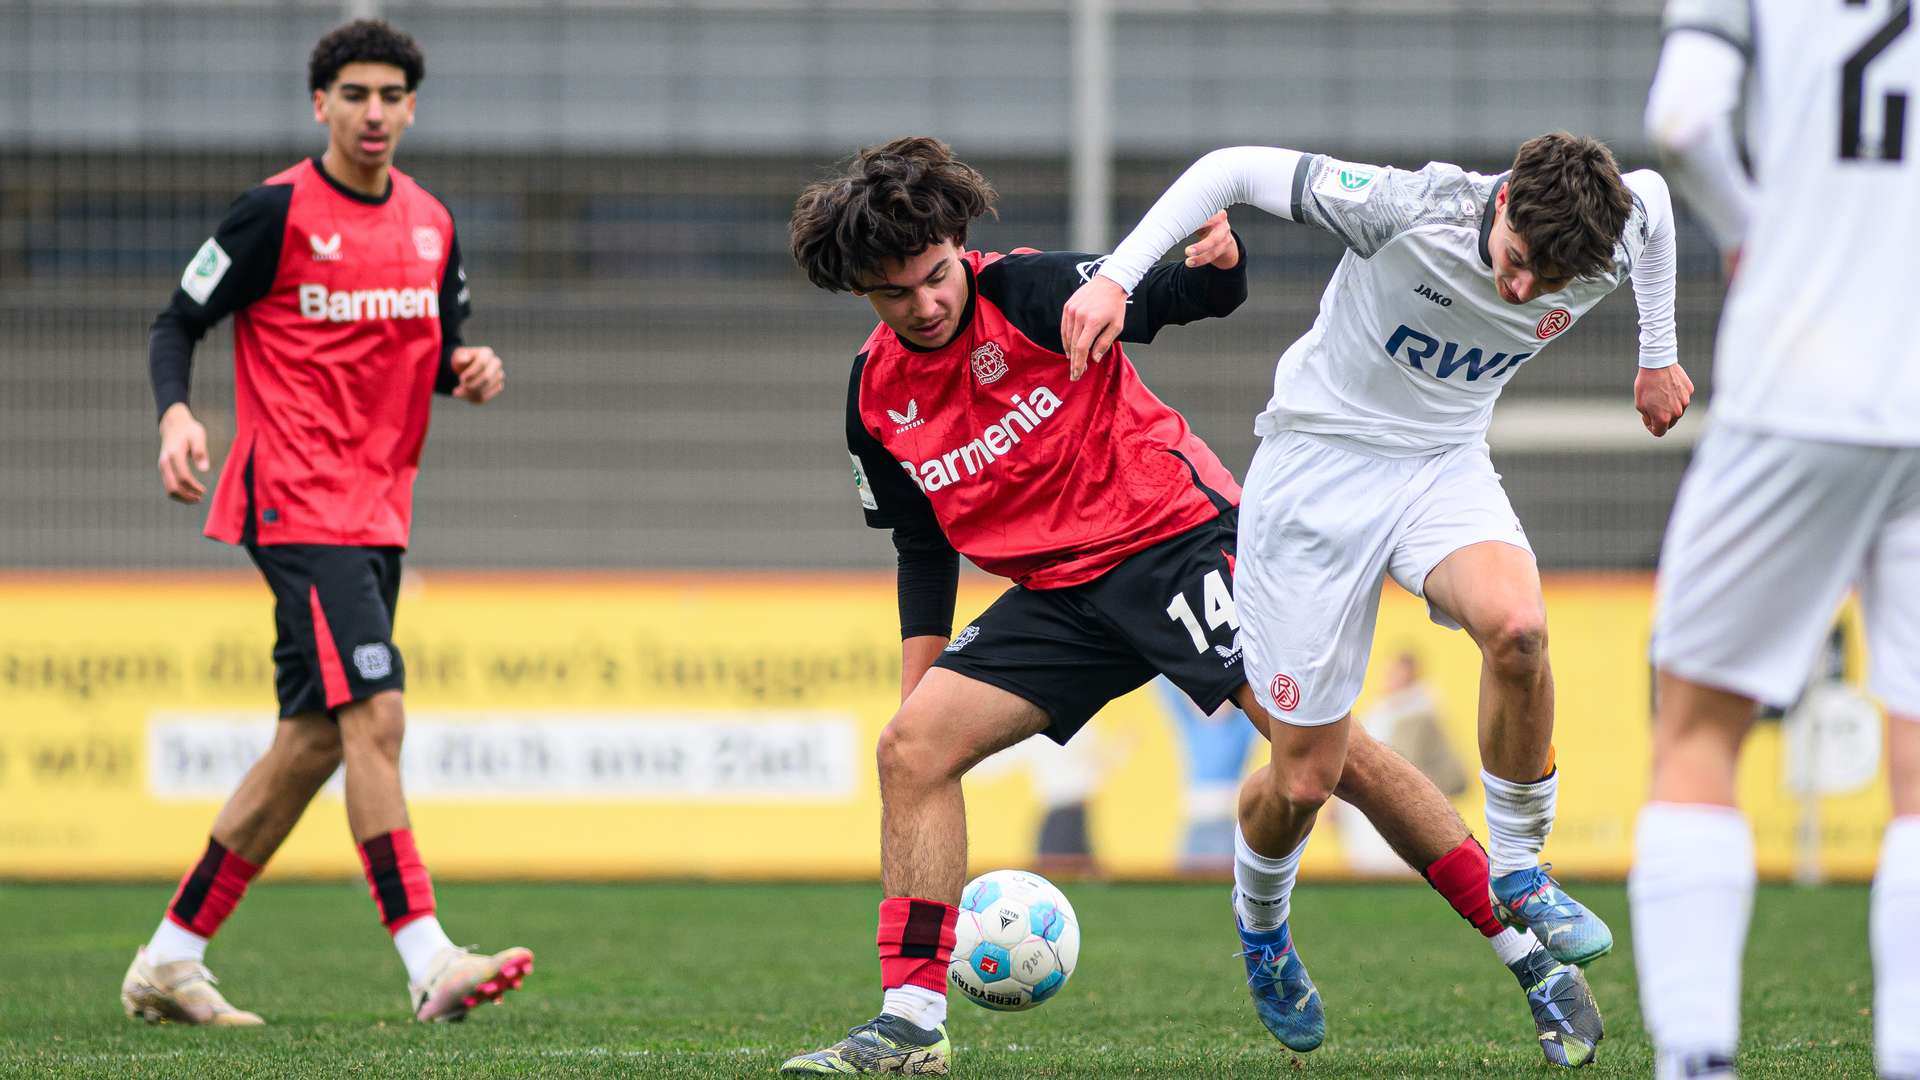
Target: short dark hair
[[372, 41], [1566, 199], [892, 202]]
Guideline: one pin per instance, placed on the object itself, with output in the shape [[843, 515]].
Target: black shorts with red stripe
[[1167, 610], [333, 611]]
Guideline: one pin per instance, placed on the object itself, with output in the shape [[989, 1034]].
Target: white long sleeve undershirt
[[1690, 120], [1260, 176], [1654, 275]]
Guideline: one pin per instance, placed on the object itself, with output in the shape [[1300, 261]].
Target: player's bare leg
[[1896, 910], [168, 979], [1278, 805], [1423, 828], [1692, 883], [1493, 590], [444, 980], [947, 725]]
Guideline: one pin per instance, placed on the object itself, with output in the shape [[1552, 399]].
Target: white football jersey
[[1814, 340], [1413, 343]]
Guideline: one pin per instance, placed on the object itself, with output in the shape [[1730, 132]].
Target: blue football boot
[[1283, 993], [1530, 900], [1564, 1013]]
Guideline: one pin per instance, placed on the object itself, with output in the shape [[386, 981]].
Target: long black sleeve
[[1032, 288], [231, 270], [456, 304], [929, 580], [1175, 294]]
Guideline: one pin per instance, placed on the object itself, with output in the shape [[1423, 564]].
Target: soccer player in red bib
[[1115, 523], [347, 292]]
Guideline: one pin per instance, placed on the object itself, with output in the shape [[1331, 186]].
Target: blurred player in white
[[1374, 461], [1807, 483]]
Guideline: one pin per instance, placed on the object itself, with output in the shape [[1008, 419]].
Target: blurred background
[[621, 175]]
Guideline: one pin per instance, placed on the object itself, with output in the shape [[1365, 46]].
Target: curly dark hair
[[1566, 199], [891, 203], [372, 41]]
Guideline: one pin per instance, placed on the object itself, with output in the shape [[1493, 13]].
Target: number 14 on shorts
[[1217, 604]]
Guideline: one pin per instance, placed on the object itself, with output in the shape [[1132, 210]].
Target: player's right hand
[[1090, 322], [183, 449]]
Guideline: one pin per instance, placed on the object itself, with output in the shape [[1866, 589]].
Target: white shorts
[[1767, 535], [1322, 522]]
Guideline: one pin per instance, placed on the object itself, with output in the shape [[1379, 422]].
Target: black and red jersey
[[1032, 477], [345, 311]]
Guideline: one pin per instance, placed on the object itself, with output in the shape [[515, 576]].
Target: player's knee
[[310, 748], [1304, 786], [378, 731], [1517, 650], [907, 754]]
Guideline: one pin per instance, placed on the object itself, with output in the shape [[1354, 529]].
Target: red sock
[[397, 877], [916, 942], [1461, 876], [210, 890]]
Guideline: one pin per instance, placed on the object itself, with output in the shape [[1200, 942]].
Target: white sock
[[172, 942], [1691, 893], [1519, 817], [917, 1005], [1263, 887], [1896, 951], [419, 942], [1512, 946]]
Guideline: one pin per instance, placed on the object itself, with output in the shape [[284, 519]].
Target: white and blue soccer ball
[[1016, 942]]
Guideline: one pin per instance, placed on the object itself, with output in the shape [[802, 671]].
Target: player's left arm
[[1662, 390], [472, 373]]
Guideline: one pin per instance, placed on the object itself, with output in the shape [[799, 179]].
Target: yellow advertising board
[[722, 726]]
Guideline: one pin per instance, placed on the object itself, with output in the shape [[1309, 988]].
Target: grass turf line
[[692, 980]]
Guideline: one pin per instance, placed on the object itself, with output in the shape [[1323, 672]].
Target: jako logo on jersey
[[1552, 323], [363, 304], [327, 250], [1420, 348], [909, 421], [936, 473], [989, 363], [1426, 292]]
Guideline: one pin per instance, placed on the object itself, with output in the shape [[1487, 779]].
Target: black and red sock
[[397, 878], [210, 891], [916, 942]]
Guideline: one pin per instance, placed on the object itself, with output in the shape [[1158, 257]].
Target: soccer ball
[[1016, 942]]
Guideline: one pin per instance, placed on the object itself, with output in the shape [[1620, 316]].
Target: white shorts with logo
[[1322, 522], [1767, 535]]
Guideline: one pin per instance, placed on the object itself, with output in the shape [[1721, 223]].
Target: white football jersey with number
[[1816, 339], [1413, 343]]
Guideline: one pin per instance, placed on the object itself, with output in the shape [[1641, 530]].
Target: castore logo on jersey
[[909, 420], [327, 250]]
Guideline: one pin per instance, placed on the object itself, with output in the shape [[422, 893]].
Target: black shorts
[[1165, 611], [333, 612]]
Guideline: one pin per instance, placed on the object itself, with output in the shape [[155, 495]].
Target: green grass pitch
[[693, 980]]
